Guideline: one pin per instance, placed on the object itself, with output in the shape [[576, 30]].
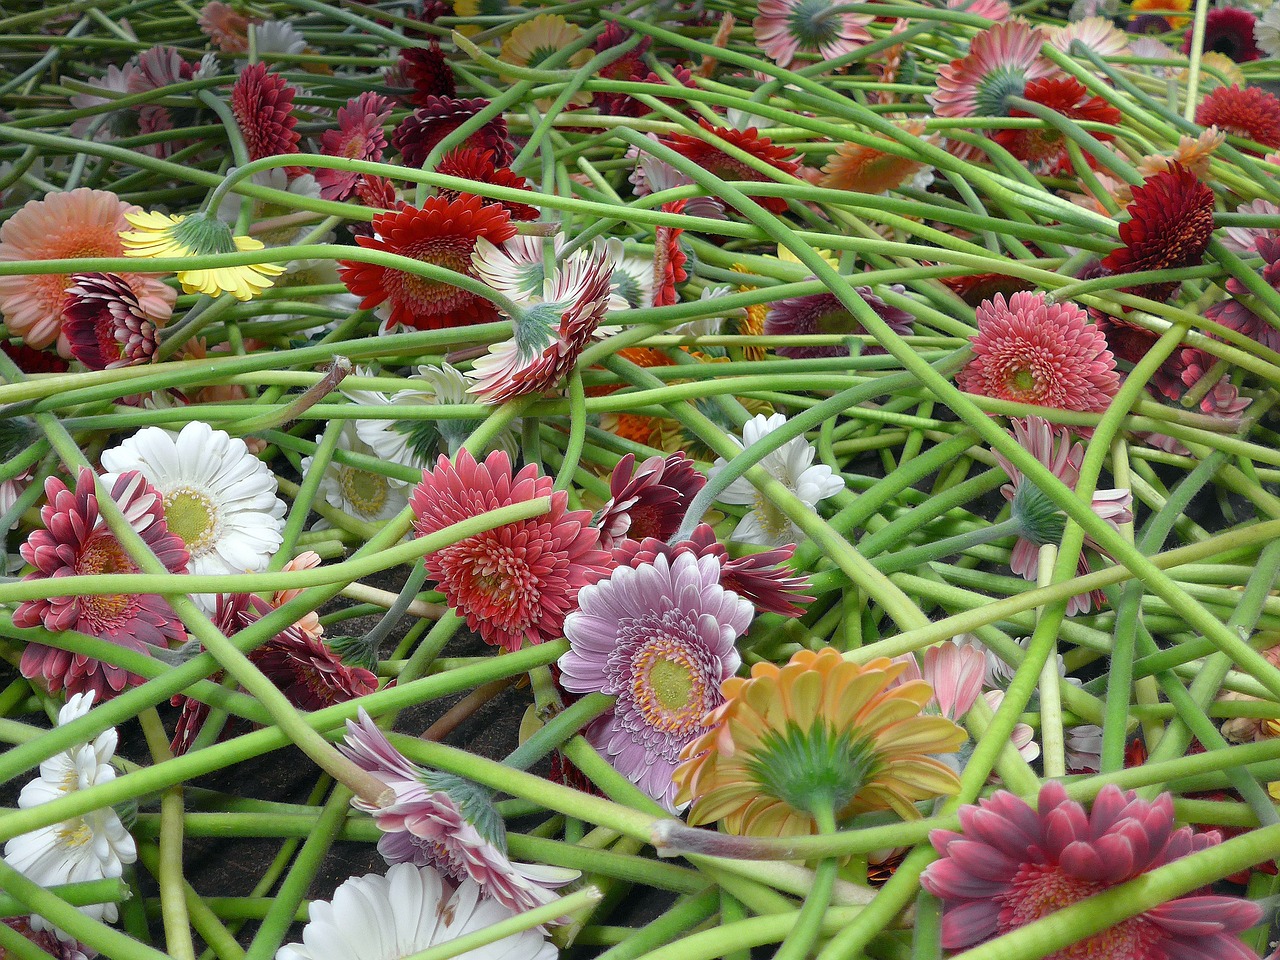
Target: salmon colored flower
[[867, 169], [826, 28], [1000, 63], [1249, 112]]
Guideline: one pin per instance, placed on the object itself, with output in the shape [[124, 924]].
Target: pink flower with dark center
[[518, 581], [819, 313], [760, 577], [1012, 864], [105, 324], [359, 137], [649, 501], [438, 117], [1228, 31], [660, 637], [1042, 521], [828, 28], [263, 106], [76, 541], [445, 822], [1036, 352]]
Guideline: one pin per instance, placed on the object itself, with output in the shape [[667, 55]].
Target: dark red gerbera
[[263, 106], [472, 163], [105, 325], [1046, 145], [426, 71], [976, 287], [668, 259], [649, 501], [31, 360], [1249, 113], [444, 232], [1229, 31], [715, 161], [1169, 226], [438, 117], [1130, 343], [359, 137]]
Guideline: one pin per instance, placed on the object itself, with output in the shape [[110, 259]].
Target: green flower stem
[[173, 906], [802, 937], [685, 915], [914, 557], [112, 890], [577, 432], [558, 729], [754, 932], [1052, 736], [306, 495], [204, 918], [1197, 54], [1015, 773]]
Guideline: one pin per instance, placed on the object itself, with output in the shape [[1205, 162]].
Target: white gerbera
[[1266, 31], [403, 913], [791, 464], [94, 846], [219, 498], [363, 494]]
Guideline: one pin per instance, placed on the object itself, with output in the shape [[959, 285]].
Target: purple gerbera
[[823, 313], [661, 638], [1011, 865]]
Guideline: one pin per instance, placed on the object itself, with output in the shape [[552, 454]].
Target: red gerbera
[[105, 324], [426, 70], [443, 232], [668, 259], [1046, 145], [1250, 113], [1170, 223], [438, 117], [263, 106], [359, 137], [717, 162], [518, 581], [1229, 31], [649, 501], [472, 163]]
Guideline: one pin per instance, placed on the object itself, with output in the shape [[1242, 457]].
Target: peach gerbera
[[62, 226]]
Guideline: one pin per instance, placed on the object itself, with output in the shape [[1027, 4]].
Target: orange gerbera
[[818, 735], [866, 169]]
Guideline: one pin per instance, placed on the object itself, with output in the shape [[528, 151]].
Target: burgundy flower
[[1229, 31], [105, 325], [1234, 313], [438, 117], [427, 72], [818, 313], [263, 106], [648, 502]]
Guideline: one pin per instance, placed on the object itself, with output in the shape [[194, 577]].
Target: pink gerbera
[[649, 501], [76, 541], [954, 672], [518, 581], [1235, 312], [828, 28], [660, 637], [78, 223], [226, 27], [1000, 62], [1012, 864], [105, 325], [1048, 354], [359, 137], [263, 106], [1041, 521]]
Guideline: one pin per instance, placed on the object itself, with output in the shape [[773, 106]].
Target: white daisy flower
[[371, 497], [219, 498], [403, 913], [791, 464], [94, 846], [1266, 31]]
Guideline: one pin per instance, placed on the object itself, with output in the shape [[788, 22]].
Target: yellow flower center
[[668, 685], [772, 520], [366, 492], [75, 832], [192, 516]]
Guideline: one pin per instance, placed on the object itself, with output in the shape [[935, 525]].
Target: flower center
[[814, 22], [669, 685], [74, 832], [366, 492], [102, 553], [1022, 380], [192, 516], [773, 521], [645, 522]]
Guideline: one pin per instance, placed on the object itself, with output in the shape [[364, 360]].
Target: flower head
[[1046, 145], [445, 822], [78, 223], [1266, 31], [438, 117], [106, 325], [473, 163], [954, 672], [823, 313], [427, 71], [714, 160], [668, 258], [198, 235], [1012, 864], [1194, 153], [660, 637], [92, 846], [359, 137], [1234, 312], [826, 28], [262, 102], [1251, 113], [818, 735], [363, 494], [792, 465], [225, 26], [1096, 33], [1049, 354], [1159, 24], [531, 42], [1244, 239], [867, 169], [518, 581], [1001, 61], [409, 910], [76, 541], [444, 233], [649, 501], [1228, 31]]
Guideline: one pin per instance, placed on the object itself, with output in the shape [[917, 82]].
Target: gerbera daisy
[[472, 163], [441, 821], [1000, 63], [1244, 239], [310, 622], [78, 223], [1266, 32], [1236, 313], [652, 175], [661, 638], [823, 313], [404, 913], [954, 672], [1228, 31], [1138, 8], [649, 501], [444, 233], [516, 582], [1048, 354], [220, 499], [720, 164], [49, 941], [1251, 113], [359, 137], [367, 496], [76, 541], [516, 268], [1012, 864], [668, 258], [1046, 145], [92, 846], [1194, 153], [1099, 34], [826, 28], [226, 27], [263, 106], [792, 465], [532, 41], [426, 70], [820, 736], [996, 10], [105, 325], [464, 10], [198, 235], [438, 117], [866, 169], [1041, 520], [1170, 224], [552, 331]]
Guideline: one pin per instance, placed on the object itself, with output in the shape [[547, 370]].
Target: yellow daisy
[[469, 9], [162, 235], [533, 41]]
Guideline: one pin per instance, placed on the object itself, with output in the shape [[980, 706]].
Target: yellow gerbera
[[533, 41], [819, 734], [469, 9], [162, 235]]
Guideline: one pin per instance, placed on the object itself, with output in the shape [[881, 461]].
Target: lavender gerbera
[[660, 637]]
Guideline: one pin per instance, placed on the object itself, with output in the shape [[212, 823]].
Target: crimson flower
[[473, 163], [1229, 31], [649, 501], [359, 137], [1046, 145], [717, 162], [427, 72], [1251, 113], [668, 258], [105, 324], [438, 117], [263, 106]]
